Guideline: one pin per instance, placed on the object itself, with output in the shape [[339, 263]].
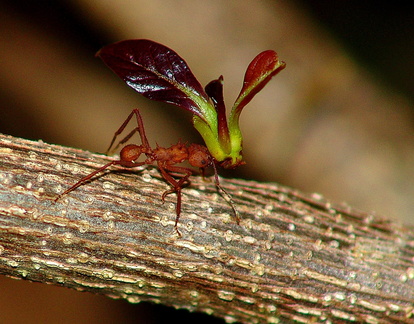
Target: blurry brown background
[[338, 120]]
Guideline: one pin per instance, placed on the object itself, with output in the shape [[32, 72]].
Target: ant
[[166, 159], [159, 73]]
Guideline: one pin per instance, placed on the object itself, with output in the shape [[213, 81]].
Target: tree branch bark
[[294, 257]]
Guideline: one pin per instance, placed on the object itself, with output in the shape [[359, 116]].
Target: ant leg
[[177, 190], [140, 129], [126, 161], [119, 131], [124, 140], [203, 173], [226, 194], [176, 187], [86, 178]]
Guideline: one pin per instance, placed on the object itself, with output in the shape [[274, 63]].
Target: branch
[[295, 257]]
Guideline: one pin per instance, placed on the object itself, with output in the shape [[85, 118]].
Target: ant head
[[130, 153], [199, 156]]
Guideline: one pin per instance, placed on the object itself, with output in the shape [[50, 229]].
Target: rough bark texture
[[294, 257]]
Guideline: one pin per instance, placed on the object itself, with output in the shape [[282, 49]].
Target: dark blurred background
[[338, 120]]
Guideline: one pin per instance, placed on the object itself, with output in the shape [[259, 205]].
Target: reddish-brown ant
[[159, 73], [166, 160]]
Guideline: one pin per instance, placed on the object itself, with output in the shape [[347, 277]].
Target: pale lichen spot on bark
[[107, 216], [226, 295], [309, 219], [108, 185], [83, 226], [343, 315], [67, 238], [133, 299], [189, 226], [273, 320], [146, 177], [410, 272]]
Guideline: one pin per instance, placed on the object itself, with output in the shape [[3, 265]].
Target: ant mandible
[[166, 160]]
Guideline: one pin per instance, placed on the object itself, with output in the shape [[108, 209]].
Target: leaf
[[158, 73], [259, 72], [215, 91]]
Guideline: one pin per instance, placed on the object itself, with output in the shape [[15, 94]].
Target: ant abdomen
[[130, 153]]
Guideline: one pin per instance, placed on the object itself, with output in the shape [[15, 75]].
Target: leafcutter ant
[[159, 73], [166, 160]]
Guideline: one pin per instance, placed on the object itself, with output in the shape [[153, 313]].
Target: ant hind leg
[[140, 129]]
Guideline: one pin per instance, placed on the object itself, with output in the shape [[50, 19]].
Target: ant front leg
[[140, 129]]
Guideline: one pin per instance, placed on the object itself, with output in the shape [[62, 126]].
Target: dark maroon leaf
[[215, 91], [156, 72], [259, 72]]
